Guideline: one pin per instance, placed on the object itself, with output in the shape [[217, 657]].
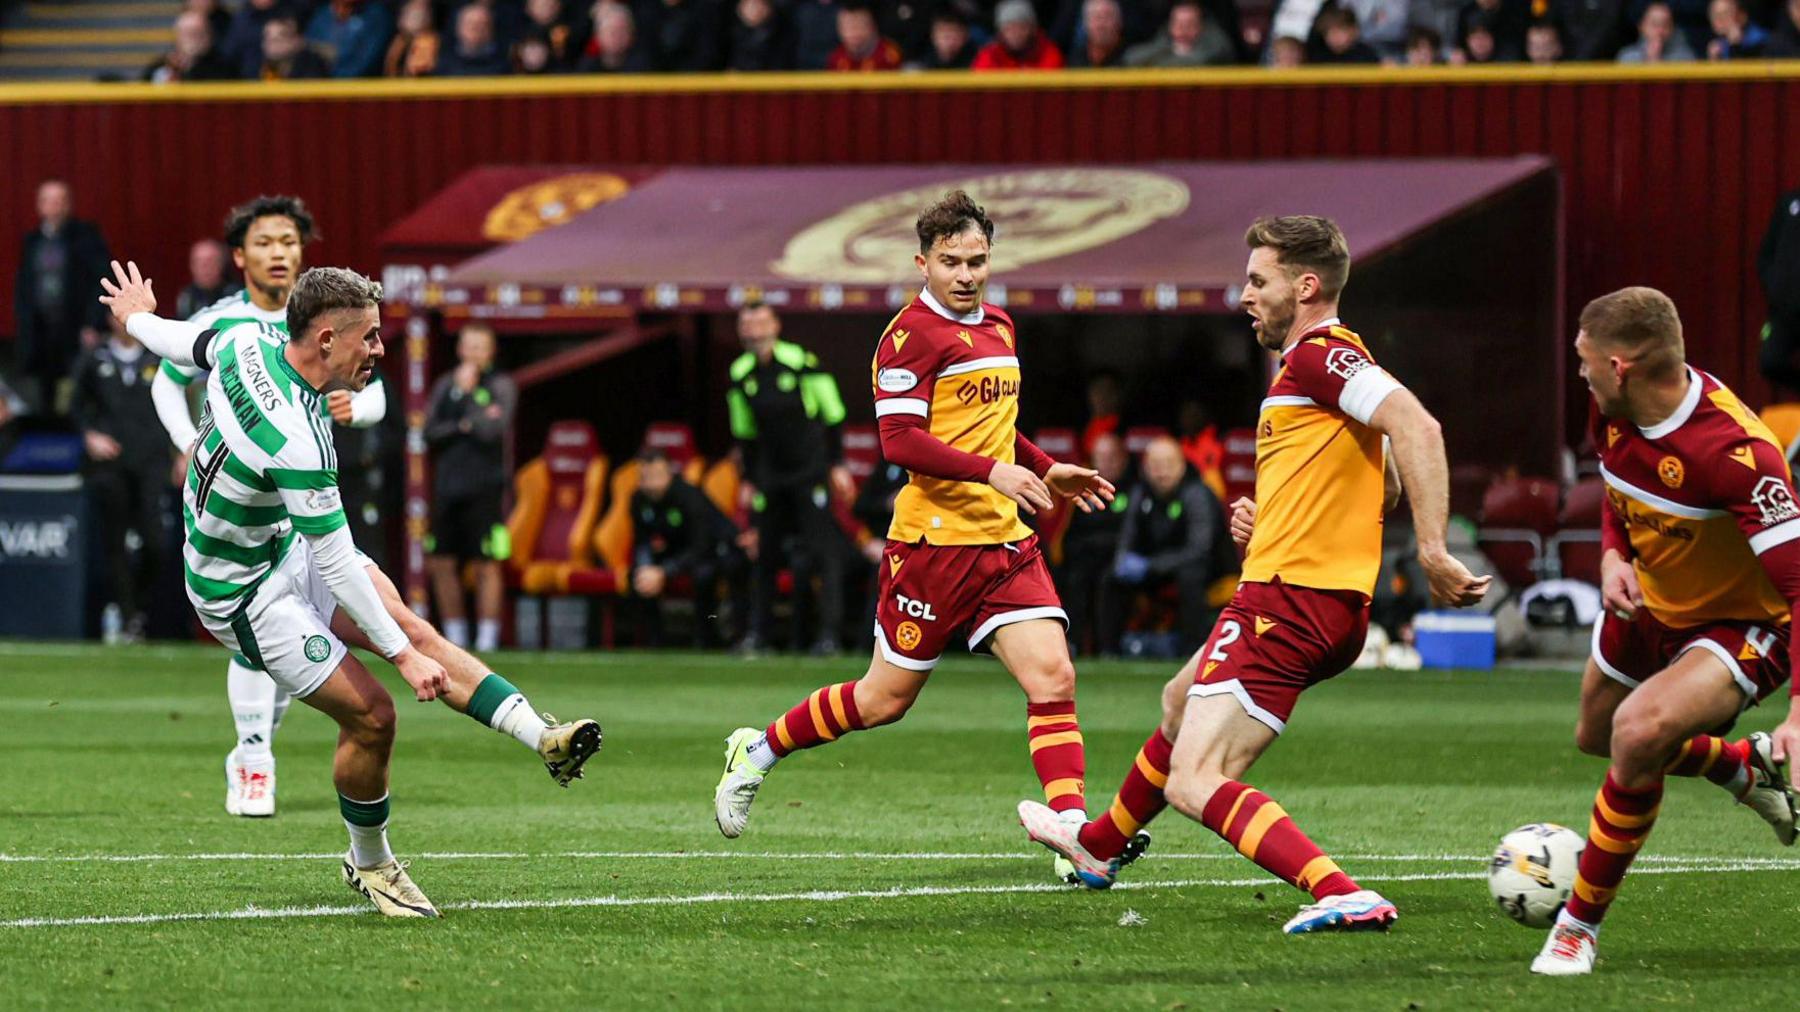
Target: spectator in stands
[[285, 55], [788, 420], [614, 49], [242, 44], [1188, 40], [682, 35], [193, 57], [414, 51], [1019, 44], [1382, 25], [466, 426], [1735, 36], [208, 281], [1543, 43], [1778, 268], [1340, 39], [1477, 46], [1657, 41], [1089, 547], [1424, 47], [1592, 30], [475, 51], [1784, 41], [127, 468], [952, 47], [1287, 52], [907, 23], [1174, 535], [1504, 22], [353, 34], [550, 20], [55, 297], [1200, 444], [217, 20], [759, 38], [1102, 36], [677, 533], [1440, 16], [860, 43], [531, 54], [815, 30]]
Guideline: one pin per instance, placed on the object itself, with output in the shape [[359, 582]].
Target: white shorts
[[285, 627]]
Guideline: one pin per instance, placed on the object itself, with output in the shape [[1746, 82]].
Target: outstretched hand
[[128, 292], [1082, 484]]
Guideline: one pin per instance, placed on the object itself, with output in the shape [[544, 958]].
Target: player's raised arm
[[132, 300]]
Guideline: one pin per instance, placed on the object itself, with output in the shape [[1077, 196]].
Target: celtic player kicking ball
[[271, 567]]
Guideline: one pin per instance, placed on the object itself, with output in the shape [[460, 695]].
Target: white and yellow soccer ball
[[1533, 872]]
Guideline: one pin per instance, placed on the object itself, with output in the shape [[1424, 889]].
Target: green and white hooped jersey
[[222, 315], [264, 472]]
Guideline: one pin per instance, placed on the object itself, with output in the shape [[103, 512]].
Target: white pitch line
[[815, 896], [769, 855]]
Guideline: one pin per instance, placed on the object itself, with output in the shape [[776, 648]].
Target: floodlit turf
[[885, 870]]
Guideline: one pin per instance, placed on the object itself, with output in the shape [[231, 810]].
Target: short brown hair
[[1305, 242], [1643, 322], [951, 217], [324, 289]]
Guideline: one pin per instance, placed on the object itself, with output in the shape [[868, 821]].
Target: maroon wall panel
[[1667, 182]]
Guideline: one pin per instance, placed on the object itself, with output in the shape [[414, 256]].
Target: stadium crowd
[[276, 40]]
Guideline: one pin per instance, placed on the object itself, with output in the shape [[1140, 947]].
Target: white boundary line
[[769, 855], [820, 896]]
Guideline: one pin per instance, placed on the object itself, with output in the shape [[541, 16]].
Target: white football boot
[[1568, 952], [390, 888], [1770, 794], [249, 789], [566, 748], [1044, 825], [737, 785]]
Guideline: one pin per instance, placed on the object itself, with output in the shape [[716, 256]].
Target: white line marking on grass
[[769, 855], [813, 896]]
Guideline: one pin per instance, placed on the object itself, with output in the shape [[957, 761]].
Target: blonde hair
[[1307, 242], [1640, 321]]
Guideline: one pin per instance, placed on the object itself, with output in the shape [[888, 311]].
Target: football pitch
[[885, 870]]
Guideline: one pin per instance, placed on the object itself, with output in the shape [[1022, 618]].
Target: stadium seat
[[558, 496], [721, 483], [862, 451], [1468, 483], [1058, 443], [1517, 514], [1053, 525], [1574, 551], [1138, 437], [1239, 464]]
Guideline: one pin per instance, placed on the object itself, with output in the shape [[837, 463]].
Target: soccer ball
[[1533, 872]]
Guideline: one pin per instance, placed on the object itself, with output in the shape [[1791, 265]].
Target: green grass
[[119, 753]]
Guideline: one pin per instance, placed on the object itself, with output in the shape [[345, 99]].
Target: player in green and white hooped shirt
[[272, 570], [267, 237]]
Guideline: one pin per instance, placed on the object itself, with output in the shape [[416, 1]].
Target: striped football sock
[[1140, 799], [1252, 822], [1057, 753], [1726, 763], [498, 704], [1621, 823], [821, 717]]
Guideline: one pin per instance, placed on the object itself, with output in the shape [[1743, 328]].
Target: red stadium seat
[[862, 451], [1517, 514], [1574, 551], [1051, 526], [1139, 437], [1239, 464], [559, 496], [1059, 443], [673, 438]]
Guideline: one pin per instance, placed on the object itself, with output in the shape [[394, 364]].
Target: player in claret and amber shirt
[[1300, 614], [959, 560], [1699, 578]]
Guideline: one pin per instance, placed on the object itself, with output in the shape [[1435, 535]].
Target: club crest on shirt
[[1774, 501], [1671, 472], [1345, 362]]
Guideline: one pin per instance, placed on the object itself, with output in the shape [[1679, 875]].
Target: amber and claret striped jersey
[[1320, 467], [960, 374], [1699, 496]]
